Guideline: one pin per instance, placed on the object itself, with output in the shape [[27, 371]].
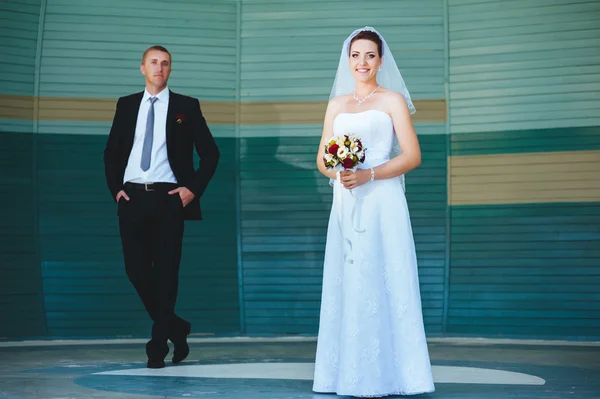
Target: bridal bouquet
[[345, 151]]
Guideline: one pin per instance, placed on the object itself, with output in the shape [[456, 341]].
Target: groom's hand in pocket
[[186, 195], [122, 194]]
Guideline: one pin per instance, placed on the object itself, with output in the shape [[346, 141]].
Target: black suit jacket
[[186, 129]]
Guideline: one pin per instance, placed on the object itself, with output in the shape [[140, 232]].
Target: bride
[[371, 340]]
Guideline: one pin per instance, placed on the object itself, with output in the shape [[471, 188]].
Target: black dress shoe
[[182, 349], [155, 364]]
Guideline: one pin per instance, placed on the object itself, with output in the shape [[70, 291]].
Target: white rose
[[342, 152]]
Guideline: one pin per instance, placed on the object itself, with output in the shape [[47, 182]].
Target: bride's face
[[364, 60]]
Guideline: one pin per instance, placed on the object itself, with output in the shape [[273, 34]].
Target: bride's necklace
[[359, 101]]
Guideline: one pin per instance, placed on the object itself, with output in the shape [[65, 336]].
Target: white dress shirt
[[160, 169]]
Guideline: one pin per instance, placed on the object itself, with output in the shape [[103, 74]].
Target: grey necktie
[[148, 137]]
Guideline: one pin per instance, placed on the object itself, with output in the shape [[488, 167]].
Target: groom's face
[[364, 60], [156, 67]]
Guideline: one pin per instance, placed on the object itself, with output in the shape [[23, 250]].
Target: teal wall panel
[[291, 54], [530, 141], [525, 270], [284, 213], [10, 126], [18, 44], [69, 241], [86, 291], [521, 77], [426, 192], [524, 112], [64, 258], [100, 45], [525, 64], [21, 305], [21, 302], [291, 48], [285, 205]]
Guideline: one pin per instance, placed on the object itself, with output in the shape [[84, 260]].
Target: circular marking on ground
[[305, 371]]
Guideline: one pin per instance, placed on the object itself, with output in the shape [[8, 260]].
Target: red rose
[[334, 149], [347, 163], [180, 118]]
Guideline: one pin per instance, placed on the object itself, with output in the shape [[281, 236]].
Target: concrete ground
[[281, 368]]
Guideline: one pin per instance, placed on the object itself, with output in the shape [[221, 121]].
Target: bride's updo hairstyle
[[368, 35]]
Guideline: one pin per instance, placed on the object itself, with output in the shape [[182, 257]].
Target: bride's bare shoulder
[[391, 95], [392, 100]]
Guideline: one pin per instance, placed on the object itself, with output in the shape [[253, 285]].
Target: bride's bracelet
[[372, 174]]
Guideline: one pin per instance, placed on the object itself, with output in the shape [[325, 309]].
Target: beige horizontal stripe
[[308, 112], [16, 107], [570, 176], [102, 110], [313, 112], [219, 113]]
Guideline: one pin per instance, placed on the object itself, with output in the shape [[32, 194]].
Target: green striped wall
[[19, 31], [524, 99], [523, 64], [284, 211], [518, 77], [76, 272], [290, 52], [526, 269], [94, 50], [21, 302], [530, 269], [291, 49], [530, 141], [100, 46], [86, 291]]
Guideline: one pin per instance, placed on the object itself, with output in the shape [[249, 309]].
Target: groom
[[150, 173]]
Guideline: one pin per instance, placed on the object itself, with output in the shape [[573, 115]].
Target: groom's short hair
[[159, 48]]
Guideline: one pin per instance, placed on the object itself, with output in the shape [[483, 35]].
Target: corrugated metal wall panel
[[525, 236], [94, 51], [21, 302], [18, 44], [524, 64], [85, 288], [285, 209], [530, 269], [524, 192], [291, 55]]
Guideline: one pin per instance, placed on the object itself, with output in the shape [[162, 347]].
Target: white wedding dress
[[371, 339]]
